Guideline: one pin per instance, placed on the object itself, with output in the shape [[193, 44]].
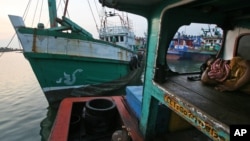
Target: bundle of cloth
[[228, 75]]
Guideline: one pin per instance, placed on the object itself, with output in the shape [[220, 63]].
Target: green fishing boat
[[68, 61]]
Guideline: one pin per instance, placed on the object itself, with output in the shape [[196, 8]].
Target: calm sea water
[[24, 111]]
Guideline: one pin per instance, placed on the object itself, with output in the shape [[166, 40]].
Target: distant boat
[[68, 61], [197, 48]]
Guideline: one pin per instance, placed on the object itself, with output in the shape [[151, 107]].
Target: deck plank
[[227, 107]]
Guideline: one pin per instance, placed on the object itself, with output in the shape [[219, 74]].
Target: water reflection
[[184, 66], [23, 105]]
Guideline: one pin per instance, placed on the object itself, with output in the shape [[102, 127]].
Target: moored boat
[[68, 61], [195, 47]]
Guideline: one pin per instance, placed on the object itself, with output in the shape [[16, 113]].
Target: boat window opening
[[116, 39], [192, 45], [121, 38]]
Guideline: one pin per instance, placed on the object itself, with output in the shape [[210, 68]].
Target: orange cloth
[[236, 72]]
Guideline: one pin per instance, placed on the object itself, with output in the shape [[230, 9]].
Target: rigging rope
[[93, 16], [67, 10], [62, 7], [40, 12], [35, 13], [97, 10], [26, 9]]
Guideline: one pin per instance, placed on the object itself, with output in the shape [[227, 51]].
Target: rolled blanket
[[219, 70]]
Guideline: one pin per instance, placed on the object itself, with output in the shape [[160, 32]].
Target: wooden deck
[[210, 111]]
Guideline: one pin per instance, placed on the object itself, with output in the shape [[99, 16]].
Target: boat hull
[[173, 55], [190, 55], [59, 71], [59, 75]]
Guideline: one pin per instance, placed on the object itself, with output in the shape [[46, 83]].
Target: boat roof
[[122, 3], [235, 9]]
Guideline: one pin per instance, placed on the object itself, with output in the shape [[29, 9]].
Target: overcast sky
[[79, 11]]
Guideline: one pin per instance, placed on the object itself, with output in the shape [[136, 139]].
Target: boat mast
[[52, 13]]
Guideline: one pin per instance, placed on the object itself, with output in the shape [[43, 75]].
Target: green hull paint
[[68, 71]]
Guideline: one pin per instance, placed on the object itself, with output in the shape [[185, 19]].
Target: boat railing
[[116, 30]]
